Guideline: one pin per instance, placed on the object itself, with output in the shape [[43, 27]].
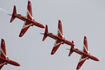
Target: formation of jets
[[59, 39]]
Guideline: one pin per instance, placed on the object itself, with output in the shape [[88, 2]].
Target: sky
[[79, 18]]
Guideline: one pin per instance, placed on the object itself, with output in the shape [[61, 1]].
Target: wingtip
[[77, 68], [14, 6], [29, 1], [52, 53], [73, 42], [2, 39], [46, 26], [59, 22], [85, 37], [21, 34]]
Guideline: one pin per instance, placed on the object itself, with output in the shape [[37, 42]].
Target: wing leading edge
[[83, 57], [27, 24], [59, 34], [2, 53]]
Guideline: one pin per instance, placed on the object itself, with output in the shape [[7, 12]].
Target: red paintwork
[[59, 38], [28, 19], [84, 54], [9, 61], [3, 58], [56, 47]]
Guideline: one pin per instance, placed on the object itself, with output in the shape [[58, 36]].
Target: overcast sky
[[79, 18]]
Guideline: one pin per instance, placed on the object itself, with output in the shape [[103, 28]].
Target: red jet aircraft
[[29, 21], [84, 54], [4, 60], [59, 37]]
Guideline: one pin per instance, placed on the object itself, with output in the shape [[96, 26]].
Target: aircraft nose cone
[[18, 64], [39, 25], [97, 59], [43, 26]]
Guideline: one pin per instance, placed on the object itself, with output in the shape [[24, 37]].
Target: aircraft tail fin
[[46, 31], [71, 51], [13, 14]]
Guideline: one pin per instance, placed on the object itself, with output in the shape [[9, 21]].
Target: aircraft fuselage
[[19, 16], [61, 39], [9, 61], [85, 54]]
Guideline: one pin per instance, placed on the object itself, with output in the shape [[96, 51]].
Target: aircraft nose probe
[[10, 14], [42, 33]]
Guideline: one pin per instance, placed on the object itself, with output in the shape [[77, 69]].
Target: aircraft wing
[[85, 45], [25, 28], [2, 64], [59, 34], [60, 31], [85, 49], [29, 11], [56, 46], [3, 49], [81, 61], [2, 53], [29, 16]]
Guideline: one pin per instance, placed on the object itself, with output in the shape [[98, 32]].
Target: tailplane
[[71, 51], [13, 14], [46, 31]]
